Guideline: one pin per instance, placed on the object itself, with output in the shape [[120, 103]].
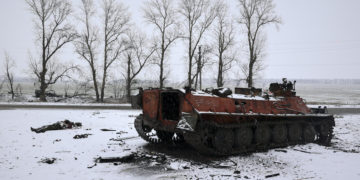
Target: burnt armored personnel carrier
[[218, 122]]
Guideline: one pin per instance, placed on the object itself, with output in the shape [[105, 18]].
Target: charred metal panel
[[150, 101], [210, 103]]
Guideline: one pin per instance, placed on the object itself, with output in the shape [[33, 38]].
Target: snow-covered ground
[[21, 151]]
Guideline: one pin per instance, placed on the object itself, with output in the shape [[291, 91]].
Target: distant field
[[322, 92], [334, 94]]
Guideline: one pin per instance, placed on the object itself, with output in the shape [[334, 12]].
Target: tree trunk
[[252, 61], [103, 86], [128, 90], [250, 77], [196, 80], [162, 59], [190, 61], [43, 87], [198, 68], [11, 83], [43, 84], [200, 81], [128, 80], [220, 82], [161, 80], [12, 91], [95, 84], [104, 69]]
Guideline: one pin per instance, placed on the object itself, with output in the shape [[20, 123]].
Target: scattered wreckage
[[218, 122]]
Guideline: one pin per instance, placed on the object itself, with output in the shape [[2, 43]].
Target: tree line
[[104, 34]]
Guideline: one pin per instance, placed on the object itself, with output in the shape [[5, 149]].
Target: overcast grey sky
[[318, 38]]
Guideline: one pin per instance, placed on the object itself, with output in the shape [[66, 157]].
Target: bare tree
[[19, 90], [255, 15], [66, 89], [198, 16], [9, 64], [2, 84], [86, 45], [54, 32], [115, 24], [118, 88], [137, 55], [162, 14], [224, 36], [201, 61]]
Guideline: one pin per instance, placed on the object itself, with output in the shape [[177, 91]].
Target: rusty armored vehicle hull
[[222, 123]]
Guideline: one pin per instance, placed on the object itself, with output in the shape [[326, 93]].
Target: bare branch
[[137, 55], [255, 15], [9, 64], [86, 45], [224, 36], [115, 24], [162, 14], [198, 16], [54, 33]]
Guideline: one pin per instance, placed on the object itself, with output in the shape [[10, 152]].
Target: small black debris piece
[[281, 150], [226, 175], [107, 130], [81, 136], [237, 172], [116, 139], [56, 140], [121, 132], [89, 167], [48, 160], [306, 151], [186, 167], [60, 125], [133, 157], [124, 159], [272, 175]]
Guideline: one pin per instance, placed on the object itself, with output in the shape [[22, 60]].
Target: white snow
[[335, 106], [21, 150], [61, 104], [235, 96], [248, 97], [202, 93]]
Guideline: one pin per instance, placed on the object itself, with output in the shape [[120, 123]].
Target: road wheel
[[325, 134], [279, 134], [243, 137], [309, 133], [324, 129], [224, 140], [295, 132], [262, 135], [164, 136]]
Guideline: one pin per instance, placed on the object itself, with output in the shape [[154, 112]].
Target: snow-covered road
[[21, 151]]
